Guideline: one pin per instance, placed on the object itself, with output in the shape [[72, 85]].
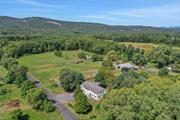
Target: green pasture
[[46, 67]]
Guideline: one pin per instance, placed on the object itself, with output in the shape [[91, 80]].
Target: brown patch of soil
[[13, 104], [90, 74]]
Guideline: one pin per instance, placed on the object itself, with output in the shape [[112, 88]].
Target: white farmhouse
[[93, 90]]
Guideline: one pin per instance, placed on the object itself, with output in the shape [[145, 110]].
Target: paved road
[[68, 115], [58, 100], [65, 112], [64, 97]]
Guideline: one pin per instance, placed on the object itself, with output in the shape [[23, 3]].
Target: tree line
[[160, 56], [161, 38]]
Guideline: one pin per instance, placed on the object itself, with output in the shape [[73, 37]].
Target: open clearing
[[146, 46], [46, 67]]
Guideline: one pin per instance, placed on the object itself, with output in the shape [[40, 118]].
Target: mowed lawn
[[46, 67], [14, 95]]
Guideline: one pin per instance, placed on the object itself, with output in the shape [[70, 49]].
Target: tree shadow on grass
[[25, 117]]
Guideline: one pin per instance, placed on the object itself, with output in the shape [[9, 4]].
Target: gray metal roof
[[93, 86], [125, 65]]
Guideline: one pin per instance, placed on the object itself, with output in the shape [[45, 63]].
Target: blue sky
[[113, 12]]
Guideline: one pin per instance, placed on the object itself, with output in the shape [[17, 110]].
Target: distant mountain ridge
[[40, 24]]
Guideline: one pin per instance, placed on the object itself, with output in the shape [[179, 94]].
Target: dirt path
[[59, 100]]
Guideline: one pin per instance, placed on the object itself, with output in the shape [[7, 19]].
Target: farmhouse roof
[[93, 86], [125, 65]]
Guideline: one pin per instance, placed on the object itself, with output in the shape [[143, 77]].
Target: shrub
[[27, 85], [107, 64], [112, 55], [4, 91], [48, 106], [163, 71], [96, 57], [176, 67], [58, 53], [81, 55]]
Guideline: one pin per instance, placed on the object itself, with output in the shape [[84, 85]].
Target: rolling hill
[[10, 25]]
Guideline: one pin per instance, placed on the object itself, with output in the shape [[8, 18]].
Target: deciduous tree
[[82, 105]]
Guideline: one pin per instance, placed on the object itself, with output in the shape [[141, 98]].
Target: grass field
[[5, 108], [46, 67], [3, 72], [146, 46]]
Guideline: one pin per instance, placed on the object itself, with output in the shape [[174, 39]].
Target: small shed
[[125, 65]]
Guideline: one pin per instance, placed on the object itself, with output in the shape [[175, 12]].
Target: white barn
[[125, 66], [93, 90]]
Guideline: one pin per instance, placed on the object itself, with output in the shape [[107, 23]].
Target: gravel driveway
[[64, 97], [58, 99]]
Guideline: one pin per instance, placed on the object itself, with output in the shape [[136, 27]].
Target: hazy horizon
[[161, 13]]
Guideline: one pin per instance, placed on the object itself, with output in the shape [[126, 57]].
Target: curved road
[[68, 115]]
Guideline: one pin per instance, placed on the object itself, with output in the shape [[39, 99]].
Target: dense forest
[[35, 27]]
